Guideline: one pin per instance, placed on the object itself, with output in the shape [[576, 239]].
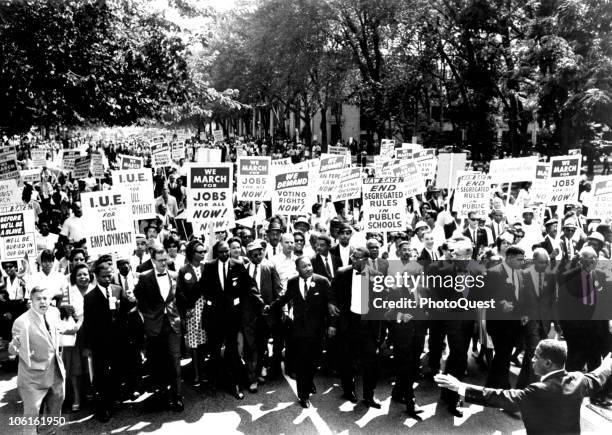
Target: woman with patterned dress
[[189, 303]]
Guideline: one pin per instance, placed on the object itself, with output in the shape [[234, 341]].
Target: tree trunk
[[323, 126]]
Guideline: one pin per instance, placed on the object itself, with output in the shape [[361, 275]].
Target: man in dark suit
[[549, 406], [538, 295], [324, 263], [358, 337], [102, 328], [503, 283], [498, 224], [227, 289], [269, 285], [343, 250], [375, 263], [156, 296], [477, 235], [581, 290], [309, 295], [550, 242], [436, 200]]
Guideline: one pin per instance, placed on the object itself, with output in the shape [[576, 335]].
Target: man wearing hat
[[269, 285], [550, 243], [420, 229], [533, 231], [568, 246], [302, 224], [273, 234], [596, 241], [343, 250]]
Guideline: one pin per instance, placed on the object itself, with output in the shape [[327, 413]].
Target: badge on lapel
[[188, 276]]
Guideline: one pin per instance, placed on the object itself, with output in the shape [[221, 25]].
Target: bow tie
[[161, 274], [359, 273]]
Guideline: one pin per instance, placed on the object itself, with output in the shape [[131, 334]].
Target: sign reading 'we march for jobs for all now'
[[564, 177], [209, 196], [254, 181]]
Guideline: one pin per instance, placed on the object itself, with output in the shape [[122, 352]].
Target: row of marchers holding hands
[[306, 304]]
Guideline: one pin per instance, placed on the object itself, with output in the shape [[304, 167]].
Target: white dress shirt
[[257, 276], [359, 293], [345, 255], [163, 282]]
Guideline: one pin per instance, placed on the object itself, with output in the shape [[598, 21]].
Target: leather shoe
[[103, 416], [305, 403], [237, 393], [454, 411], [372, 403], [313, 389], [177, 405], [350, 396]]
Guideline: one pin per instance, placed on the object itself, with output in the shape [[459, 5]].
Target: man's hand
[[524, 320], [331, 331], [507, 307], [447, 381], [333, 310], [14, 346], [266, 310], [406, 317]]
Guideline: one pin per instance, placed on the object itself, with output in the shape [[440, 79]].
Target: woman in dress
[[72, 307], [190, 304], [174, 257]]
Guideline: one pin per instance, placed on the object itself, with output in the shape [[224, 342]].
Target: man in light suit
[[503, 283], [549, 406], [41, 374], [309, 294], [156, 297], [227, 289], [375, 263]]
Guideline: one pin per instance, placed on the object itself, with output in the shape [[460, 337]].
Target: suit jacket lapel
[[41, 325]]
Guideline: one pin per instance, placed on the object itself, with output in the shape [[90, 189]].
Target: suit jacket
[[539, 307], [498, 286], [224, 305], [39, 349], [270, 288], [551, 406], [335, 251], [153, 307], [269, 281], [571, 306], [342, 288], [494, 232], [100, 323], [438, 207], [318, 265], [481, 239], [382, 265], [309, 313], [186, 287], [148, 265]]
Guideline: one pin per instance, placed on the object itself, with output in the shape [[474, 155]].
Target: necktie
[[139, 260], [327, 269], [224, 275], [47, 323], [588, 298], [255, 272], [273, 250], [540, 284], [375, 264]]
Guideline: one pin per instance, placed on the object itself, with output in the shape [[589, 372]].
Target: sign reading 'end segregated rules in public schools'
[[384, 204], [209, 196]]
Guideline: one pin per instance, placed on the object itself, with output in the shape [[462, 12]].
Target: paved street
[[274, 410]]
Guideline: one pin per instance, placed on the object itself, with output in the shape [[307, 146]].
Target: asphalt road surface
[[273, 410]]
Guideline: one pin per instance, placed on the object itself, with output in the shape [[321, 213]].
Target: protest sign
[[31, 176], [139, 184], [178, 150], [427, 162], [9, 192], [39, 157], [336, 149], [387, 147], [512, 170], [218, 135], [17, 235], [209, 196], [9, 169], [349, 186], [254, 179], [472, 194], [600, 206], [329, 173], [81, 167], [97, 167], [449, 164], [110, 222], [409, 172], [129, 162], [208, 155], [281, 162], [160, 155], [564, 177], [293, 195], [68, 159], [384, 204], [540, 188], [403, 154]]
